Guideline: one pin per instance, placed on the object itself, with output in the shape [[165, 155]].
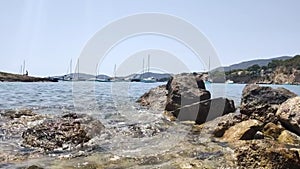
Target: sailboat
[[148, 79], [208, 80], [69, 75], [101, 78], [114, 79]]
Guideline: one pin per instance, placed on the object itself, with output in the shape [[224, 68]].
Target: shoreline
[[10, 77]]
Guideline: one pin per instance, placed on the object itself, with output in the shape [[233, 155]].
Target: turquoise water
[[114, 105], [84, 96], [234, 91]]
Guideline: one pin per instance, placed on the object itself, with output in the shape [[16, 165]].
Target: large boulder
[[204, 111], [261, 103], [183, 89], [187, 99], [289, 115], [66, 131], [154, 99]]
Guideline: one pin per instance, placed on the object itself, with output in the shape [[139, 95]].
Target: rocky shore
[[9, 77], [194, 131], [265, 134]]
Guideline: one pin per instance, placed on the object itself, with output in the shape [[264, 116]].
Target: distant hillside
[[84, 77], [246, 64], [276, 72]]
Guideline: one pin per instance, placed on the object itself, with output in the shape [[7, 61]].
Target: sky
[[48, 34]]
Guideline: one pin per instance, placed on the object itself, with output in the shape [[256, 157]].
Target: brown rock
[[261, 103], [183, 90], [244, 130], [34, 167], [154, 99], [265, 154], [12, 114], [288, 137], [68, 130], [273, 130], [289, 115], [187, 99]]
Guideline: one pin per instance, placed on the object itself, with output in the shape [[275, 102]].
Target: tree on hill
[[254, 68]]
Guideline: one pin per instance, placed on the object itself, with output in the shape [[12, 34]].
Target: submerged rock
[[261, 103], [289, 115], [14, 122], [12, 114], [62, 132]]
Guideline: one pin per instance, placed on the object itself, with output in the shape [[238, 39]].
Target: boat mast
[[115, 71], [78, 69], [208, 64], [70, 67], [143, 71], [148, 63]]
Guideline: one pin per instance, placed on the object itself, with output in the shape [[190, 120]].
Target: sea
[[112, 103], [53, 98]]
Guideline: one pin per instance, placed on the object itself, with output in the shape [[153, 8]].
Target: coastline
[[10, 77], [74, 139]]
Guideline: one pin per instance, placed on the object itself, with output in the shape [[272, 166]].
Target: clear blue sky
[[48, 34]]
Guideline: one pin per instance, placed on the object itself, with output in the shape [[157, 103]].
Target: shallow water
[[133, 131], [82, 96]]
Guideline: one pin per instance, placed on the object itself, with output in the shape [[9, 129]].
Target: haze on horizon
[[48, 34]]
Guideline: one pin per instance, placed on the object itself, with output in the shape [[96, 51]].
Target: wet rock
[[265, 154], [139, 130], [289, 115], [34, 167], [70, 129], [288, 137], [245, 130], [261, 103], [14, 122], [218, 126], [225, 123], [189, 163], [155, 99], [272, 130], [12, 114]]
